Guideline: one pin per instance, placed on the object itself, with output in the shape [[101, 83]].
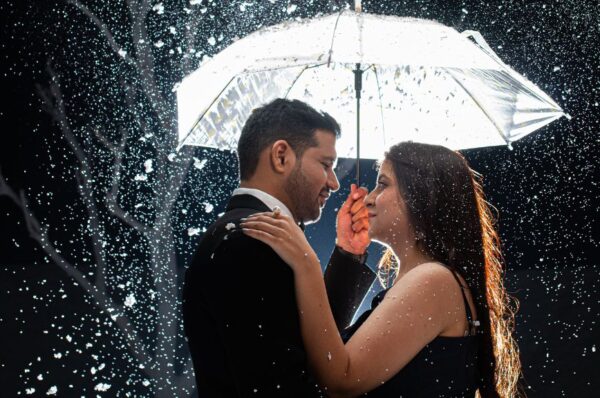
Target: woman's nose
[[369, 202]]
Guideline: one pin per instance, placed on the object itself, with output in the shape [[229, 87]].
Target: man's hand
[[353, 222]]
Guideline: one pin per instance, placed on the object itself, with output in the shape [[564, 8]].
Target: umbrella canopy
[[422, 81]]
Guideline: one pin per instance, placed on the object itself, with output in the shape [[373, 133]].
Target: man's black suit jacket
[[240, 313]]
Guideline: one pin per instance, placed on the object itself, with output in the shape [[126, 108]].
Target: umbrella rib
[[380, 105], [525, 84], [536, 121], [333, 37], [295, 80], [485, 112], [204, 113]]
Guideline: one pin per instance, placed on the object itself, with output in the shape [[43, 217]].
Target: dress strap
[[469, 314]]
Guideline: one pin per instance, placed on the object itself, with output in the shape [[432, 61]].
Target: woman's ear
[[282, 156]]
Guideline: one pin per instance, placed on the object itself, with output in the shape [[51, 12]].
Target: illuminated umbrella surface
[[421, 81]]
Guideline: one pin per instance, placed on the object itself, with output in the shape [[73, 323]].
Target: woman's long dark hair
[[453, 224]]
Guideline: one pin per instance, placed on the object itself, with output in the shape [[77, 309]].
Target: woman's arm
[[326, 352], [413, 313], [409, 317]]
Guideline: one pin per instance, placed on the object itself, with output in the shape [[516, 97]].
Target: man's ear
[[282, 156]]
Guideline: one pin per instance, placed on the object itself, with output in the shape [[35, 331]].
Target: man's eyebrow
[[383, 176]]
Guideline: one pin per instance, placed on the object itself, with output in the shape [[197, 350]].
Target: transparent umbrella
[[399, 78]]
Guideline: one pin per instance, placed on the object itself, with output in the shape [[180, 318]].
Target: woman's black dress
[[446, 367]]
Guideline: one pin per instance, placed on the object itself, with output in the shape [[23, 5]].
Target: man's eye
[[381, 184]]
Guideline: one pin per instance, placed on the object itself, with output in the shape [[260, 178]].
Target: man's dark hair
[[290, 120]]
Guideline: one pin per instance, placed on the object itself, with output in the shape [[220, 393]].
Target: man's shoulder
[[228, 225], [225, 238], [225, 251]]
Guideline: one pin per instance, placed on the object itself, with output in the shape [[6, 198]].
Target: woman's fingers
[[285, 239], [281, 221], [268, 226], [259, 235], [264, 213], [362, 213], [348, 202], [358, 196], [361, 192], [356, 206], [363, 223], [273, 215]]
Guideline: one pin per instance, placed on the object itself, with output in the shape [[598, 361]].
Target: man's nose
[[333, 182]]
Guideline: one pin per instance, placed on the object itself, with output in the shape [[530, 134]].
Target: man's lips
[[371, 215], [323, 198]]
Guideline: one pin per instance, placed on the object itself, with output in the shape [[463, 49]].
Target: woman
[[443, 327]]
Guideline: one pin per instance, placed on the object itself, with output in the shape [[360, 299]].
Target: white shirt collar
[[264, 197]]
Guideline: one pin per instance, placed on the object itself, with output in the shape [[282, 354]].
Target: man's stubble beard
[[305, 207]]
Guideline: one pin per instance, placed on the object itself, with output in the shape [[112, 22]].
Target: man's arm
[[347, 280]]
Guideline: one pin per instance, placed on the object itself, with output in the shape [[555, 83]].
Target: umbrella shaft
[[358, 80], [358, 141], [358, 87]]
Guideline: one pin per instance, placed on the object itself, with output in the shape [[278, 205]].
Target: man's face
[[313, 178]]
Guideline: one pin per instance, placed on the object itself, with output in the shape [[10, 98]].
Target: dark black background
[[546, 189]]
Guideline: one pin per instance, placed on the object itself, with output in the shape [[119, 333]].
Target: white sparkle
[[102, 387], [193, 231], [129, 300], [148, 166], [199, 164], [159, 8]]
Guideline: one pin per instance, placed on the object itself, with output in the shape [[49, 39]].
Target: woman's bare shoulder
[[433, 274]]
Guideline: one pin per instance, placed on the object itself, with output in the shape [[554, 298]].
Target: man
[[239, 306]]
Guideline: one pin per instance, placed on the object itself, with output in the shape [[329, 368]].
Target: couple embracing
[[263, 321]]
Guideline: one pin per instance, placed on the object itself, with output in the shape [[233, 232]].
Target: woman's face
[[388, 219]]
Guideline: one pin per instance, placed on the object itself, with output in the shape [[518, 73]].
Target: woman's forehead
[[385, 169]]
